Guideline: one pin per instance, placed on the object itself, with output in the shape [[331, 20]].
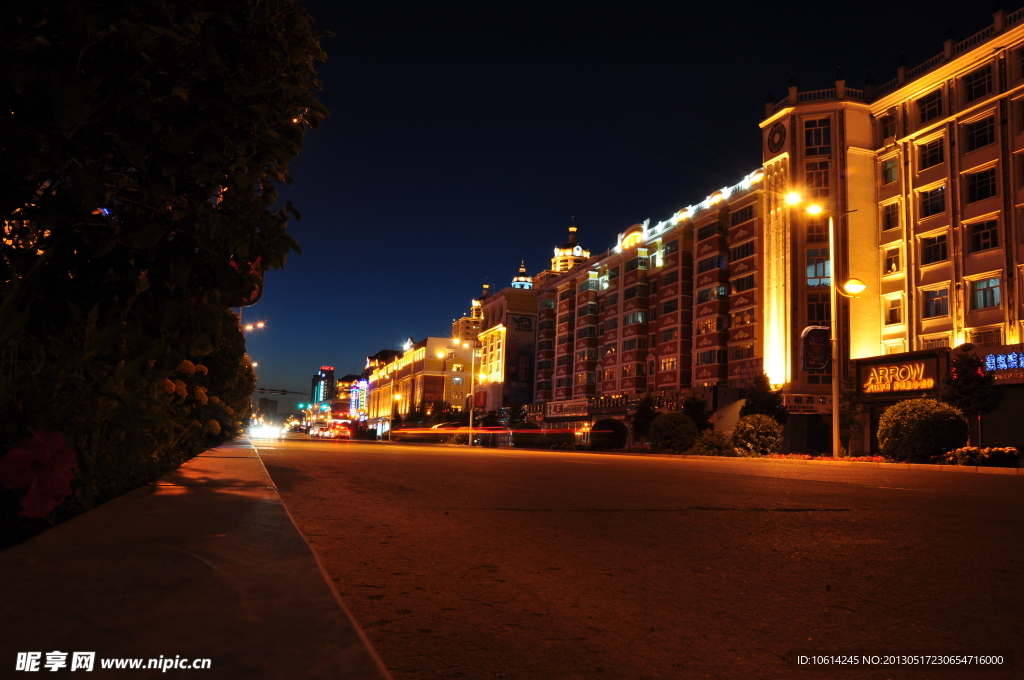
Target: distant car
[[319, 430]]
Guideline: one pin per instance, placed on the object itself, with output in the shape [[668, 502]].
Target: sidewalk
[[203, 563]]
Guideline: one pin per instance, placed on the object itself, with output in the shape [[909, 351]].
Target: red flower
[[42, 463]]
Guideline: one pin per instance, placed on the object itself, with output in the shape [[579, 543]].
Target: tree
[[608, 433], [440, 411], [643, 416], [515, 416], [761, 399], [969, 387], [757, 435], [674, 431], [490, 419], [918, 430], [699, 413], [143, 143]]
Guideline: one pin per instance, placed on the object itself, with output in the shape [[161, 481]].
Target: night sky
[[463, 140]]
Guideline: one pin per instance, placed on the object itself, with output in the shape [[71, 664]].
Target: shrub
[[918, 430], [711, 443], [608, 433], [987, 457], [674, 431], [528, 439], [757, 435]]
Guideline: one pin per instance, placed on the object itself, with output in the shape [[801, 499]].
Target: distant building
[[323, 388]]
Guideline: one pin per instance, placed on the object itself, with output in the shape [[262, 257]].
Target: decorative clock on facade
[[777, 137]]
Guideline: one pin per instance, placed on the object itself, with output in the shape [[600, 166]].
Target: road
[[489, 563]]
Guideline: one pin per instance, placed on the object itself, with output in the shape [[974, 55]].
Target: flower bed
[[987, 457]]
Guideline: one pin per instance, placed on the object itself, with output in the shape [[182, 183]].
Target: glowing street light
[[253, 326], [472, 383], [849, 288]]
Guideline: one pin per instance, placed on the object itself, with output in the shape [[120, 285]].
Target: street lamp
[[472, 383], [850, 288]]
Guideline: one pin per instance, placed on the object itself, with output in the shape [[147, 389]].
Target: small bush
[[918, 430], [987, 457], [608, 433], [531, 439], [757, 435], [673, 431], [711, 443]]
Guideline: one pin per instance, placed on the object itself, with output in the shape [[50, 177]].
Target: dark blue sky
[[462, 140]]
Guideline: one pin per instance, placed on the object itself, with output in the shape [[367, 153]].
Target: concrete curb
[[205, 563], [791, 461]]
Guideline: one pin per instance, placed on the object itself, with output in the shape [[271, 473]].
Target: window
[[979, 134], [669, 364], [457, 381], [639, 290], [544, 386], [709, 294], [587, 332], [609, 349], [669, 247], [818, 137], [546, 325], [984, 235], [562, 382], [545, 344], [613, 273], [888, 127], [565, 295], [742, 215], [629, 370], [981, 185], [819, 267], [712, 324], [639, 262], [984, 293], [936, 303], [890, 170], [611, 299], [930, 154], [817, 230], [457, 368], [653, 284], [566, 318], [738, 352], [708, 263], [819, 309], [933, 202], [987, 338], [741, 318], [547, 303], [711, 356], [935, 342], [707, 231], [741, 251], [670, 277], [587, 309], [634, 343], [565, 360], [893, 311], [930, 106], [545, 365], [634, 317], [743, 283], [565, 339], [669, 334], [890, 216], [585, 378], [892, 261], [670, 306], [609, 374], [933, 249], [978, 83], [611, 323], [589, 284], [816, 179]]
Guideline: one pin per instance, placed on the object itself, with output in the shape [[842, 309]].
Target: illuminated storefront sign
[[576, 407], [1004, 362], [908, 372]]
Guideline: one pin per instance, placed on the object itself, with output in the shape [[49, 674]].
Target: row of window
[[975, 85], [720, 291]]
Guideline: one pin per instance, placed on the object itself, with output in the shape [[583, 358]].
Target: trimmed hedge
[[757, 435], [919, 430]]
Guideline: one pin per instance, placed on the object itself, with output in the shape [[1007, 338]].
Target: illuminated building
[[430, 370], [323, 388], [924, 176], [507, 344], [468, 327]]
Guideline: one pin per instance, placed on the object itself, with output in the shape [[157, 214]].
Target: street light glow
[[814, 209], [793, 198], [855, 286]]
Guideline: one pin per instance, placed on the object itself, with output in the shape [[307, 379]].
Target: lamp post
[[472, 384], [850, 288]]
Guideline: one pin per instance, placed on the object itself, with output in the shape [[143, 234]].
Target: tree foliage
[[674, 431], [608, 433], [757, 435], [918, 430], [643, 416], [967, 385], [143, 142], [761, 399], [699, 413]]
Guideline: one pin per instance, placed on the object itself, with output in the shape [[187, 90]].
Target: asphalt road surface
[[484, 563]]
